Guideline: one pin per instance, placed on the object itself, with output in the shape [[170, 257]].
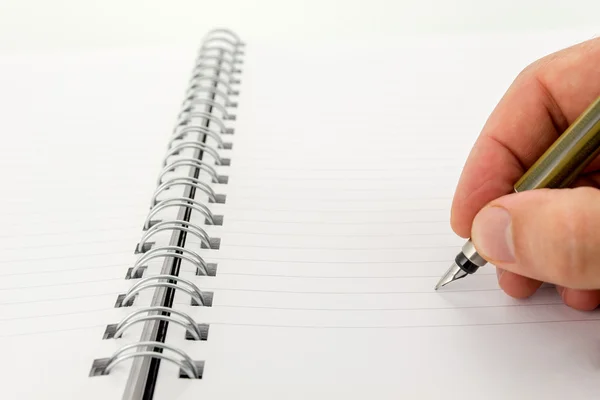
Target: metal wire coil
[[200, 126]]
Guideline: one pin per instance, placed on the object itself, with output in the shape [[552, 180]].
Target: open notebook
[[293, 221]]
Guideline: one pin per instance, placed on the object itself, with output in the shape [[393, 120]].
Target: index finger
[[539, 105]]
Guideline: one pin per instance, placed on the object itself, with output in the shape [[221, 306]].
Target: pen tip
[[454, 273]]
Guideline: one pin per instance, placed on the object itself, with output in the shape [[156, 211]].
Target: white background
[[54, 109], [68, 24]]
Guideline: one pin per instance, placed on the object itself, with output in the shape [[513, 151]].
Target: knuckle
[[533, 71], [528, 69], [532, 68]]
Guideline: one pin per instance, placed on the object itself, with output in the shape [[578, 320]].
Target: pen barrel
[[560, 165]]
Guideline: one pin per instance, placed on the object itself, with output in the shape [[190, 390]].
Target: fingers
[[584, 300], [540, 104], [521, 287], [546, 235], [517, 286]]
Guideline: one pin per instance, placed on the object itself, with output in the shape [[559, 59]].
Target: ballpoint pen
[[556, 168]]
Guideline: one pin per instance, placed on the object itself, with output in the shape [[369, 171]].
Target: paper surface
[[336, 230], [336, 227], [82, 137]]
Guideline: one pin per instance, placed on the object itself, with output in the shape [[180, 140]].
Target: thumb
[[551, 235]]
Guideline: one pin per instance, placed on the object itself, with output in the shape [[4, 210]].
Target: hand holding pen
[[550, 234]]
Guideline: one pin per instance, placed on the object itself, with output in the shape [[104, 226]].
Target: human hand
[[542, 235]]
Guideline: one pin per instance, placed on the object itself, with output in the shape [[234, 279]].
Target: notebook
[[263, 220]]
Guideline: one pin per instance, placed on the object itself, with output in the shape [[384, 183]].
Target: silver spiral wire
[[176, 150], [196, 90], [208, 98], [183, 132], [184, 362], [190, 162], [185, 181], [184, 226], [202, 68], [190, 105], [180, 202], [185, 119], [188, 322], [178, 252], [182, 284]]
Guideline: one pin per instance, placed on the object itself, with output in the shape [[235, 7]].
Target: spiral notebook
[[280, 240]]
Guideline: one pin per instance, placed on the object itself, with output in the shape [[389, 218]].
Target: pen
[[556, 168]]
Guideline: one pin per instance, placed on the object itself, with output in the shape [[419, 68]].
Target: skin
[[540, 104]]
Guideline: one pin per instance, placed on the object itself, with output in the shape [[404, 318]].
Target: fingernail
[[492, 235]]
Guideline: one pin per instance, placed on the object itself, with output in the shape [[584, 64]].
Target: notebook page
[[336, 229], [82, 139]]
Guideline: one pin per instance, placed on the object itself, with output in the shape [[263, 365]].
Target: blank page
[[82, 139], [336, 230]]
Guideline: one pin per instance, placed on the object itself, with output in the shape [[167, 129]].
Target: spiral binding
[[198, 297], [191, 369], [175, 150], [178, 134], [210, 218], [196, 331], [210, 90]]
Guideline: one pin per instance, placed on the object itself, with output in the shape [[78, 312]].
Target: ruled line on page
[[353, 310], [64, 257], [225, 289], [334, 211], [344, 235], [87, 311], [37, 333], [371, 269], [42, 185], [73, 217], [53, 271], [371, 277], [216, 208], [219, 273], [84, 196], [6, 289], [256, 177], [270, 194], [321, 189], [334, 248], [217, 306], [330, 262], [291, 178], [53, 233], [51, 299], [257, 169], [77, 208], [245, 160], [66, 243], [388, 222], [557, 321]]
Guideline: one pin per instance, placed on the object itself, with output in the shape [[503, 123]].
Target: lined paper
[[82, 139], [336, 230]]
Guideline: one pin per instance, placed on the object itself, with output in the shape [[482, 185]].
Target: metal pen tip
[[454, 273]]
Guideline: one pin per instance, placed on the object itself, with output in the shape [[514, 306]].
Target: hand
[[543, 235]]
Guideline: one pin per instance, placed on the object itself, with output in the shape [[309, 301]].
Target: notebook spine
[[201, 129]]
